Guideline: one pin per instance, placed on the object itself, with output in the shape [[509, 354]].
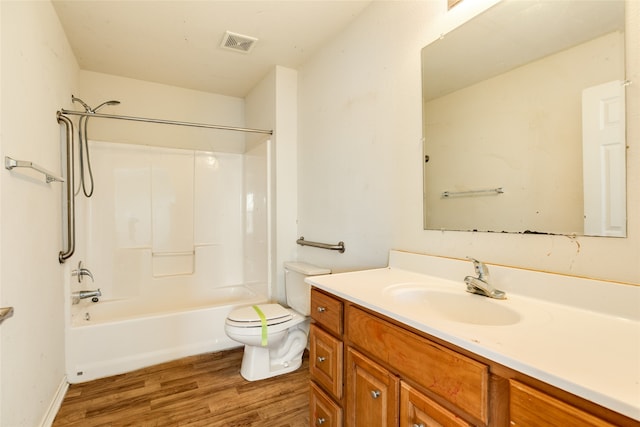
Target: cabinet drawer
[[322, 410], [456, 378], [416, 409], [327, 311], [530, 407], [325, 360]]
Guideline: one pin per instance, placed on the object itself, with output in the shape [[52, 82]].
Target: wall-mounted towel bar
[[487, 192], [10, 163], [339, 247]]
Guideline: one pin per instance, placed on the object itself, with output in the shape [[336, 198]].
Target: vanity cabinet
[[369, 370]]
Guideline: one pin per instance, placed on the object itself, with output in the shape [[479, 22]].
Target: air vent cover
[[238, 42]]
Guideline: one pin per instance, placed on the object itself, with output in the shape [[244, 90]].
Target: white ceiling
[[178, 42]]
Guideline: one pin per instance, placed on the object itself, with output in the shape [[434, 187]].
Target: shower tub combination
[[175, 240], [112, 337]]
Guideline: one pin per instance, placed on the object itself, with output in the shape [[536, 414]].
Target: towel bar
[[10, 163]]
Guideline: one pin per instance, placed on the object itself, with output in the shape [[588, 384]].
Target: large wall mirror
[[524, 120]]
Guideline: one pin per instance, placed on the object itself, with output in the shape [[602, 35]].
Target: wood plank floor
[[203, 390]]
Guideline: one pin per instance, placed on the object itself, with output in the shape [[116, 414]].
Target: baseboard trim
[[56, 403]]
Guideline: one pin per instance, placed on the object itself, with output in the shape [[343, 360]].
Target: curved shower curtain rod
[[162, 121]]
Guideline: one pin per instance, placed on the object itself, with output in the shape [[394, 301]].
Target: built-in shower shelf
[[10, 163]]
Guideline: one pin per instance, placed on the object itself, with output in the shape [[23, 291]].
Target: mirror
[[523, 121]]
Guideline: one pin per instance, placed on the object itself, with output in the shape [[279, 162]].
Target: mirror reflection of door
[[604, 159]]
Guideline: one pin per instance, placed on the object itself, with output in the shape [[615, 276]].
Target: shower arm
[[163, 121], [71, 210]]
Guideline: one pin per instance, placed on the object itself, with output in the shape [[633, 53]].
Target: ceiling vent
[[238, 42]]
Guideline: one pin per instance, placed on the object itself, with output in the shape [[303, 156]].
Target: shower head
[[112, 102], [93, 110], [84, 104]]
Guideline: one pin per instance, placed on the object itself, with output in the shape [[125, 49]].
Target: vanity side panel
[[460, 380]]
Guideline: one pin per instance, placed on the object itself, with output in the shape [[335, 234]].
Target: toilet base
[[259, 363]]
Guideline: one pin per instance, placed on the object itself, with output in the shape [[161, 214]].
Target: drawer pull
[[320, 421], [375, 394], [322, 309], [321, 359], [418, 425]]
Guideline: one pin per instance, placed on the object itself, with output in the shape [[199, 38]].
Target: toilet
[[274, 336]]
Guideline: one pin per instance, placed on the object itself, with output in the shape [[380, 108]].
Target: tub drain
[[87, 316]]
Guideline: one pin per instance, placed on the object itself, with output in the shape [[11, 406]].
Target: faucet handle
[[481, 268], [81, 271]]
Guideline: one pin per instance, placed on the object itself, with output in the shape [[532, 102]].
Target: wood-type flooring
[[204, 390]]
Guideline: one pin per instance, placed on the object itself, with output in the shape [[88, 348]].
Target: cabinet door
[[322, 410], [372, 393], [417, 410], [325, 360]]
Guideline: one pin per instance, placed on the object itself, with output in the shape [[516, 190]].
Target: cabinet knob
[[418, 425], [321, 359], [320, 421], [375, 394], [322, 309]]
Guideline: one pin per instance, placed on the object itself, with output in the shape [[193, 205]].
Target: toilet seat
[[248, 317]]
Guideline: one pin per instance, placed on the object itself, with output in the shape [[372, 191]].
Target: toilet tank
[[299, 292]]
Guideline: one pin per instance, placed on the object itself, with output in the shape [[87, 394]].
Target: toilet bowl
[[275, 336]]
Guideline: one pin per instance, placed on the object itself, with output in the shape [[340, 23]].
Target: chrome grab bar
[[339, 247], [10, 163], [489, 191], [71, 209]]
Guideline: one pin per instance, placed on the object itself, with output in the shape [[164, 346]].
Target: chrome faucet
[[481, 285], [94, 295]]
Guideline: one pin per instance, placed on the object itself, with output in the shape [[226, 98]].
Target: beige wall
[[152, 100], [39, 73], [360, 170]]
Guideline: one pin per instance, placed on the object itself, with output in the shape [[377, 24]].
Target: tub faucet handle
[[81, 271]]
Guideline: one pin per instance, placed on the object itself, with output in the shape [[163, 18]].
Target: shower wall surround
[[164, 217]]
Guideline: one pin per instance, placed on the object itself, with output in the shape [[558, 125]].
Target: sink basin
[[456, 306]]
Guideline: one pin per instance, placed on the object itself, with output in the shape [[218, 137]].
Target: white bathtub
[[113, 337]]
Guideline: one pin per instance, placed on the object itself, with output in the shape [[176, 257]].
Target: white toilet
[[275, 337]]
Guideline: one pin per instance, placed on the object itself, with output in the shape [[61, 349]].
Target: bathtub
[[112, 337]]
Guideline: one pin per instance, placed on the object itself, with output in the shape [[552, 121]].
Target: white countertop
[[595, 355]]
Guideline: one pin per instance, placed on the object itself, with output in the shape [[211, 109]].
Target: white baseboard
[[56, 402]]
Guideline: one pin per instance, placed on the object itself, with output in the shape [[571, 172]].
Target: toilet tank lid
[[306, 269]]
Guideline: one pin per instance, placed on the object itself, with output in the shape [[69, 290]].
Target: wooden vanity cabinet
[[395, 376]]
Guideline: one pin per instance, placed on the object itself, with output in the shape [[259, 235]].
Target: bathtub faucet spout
[[77, 296]]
